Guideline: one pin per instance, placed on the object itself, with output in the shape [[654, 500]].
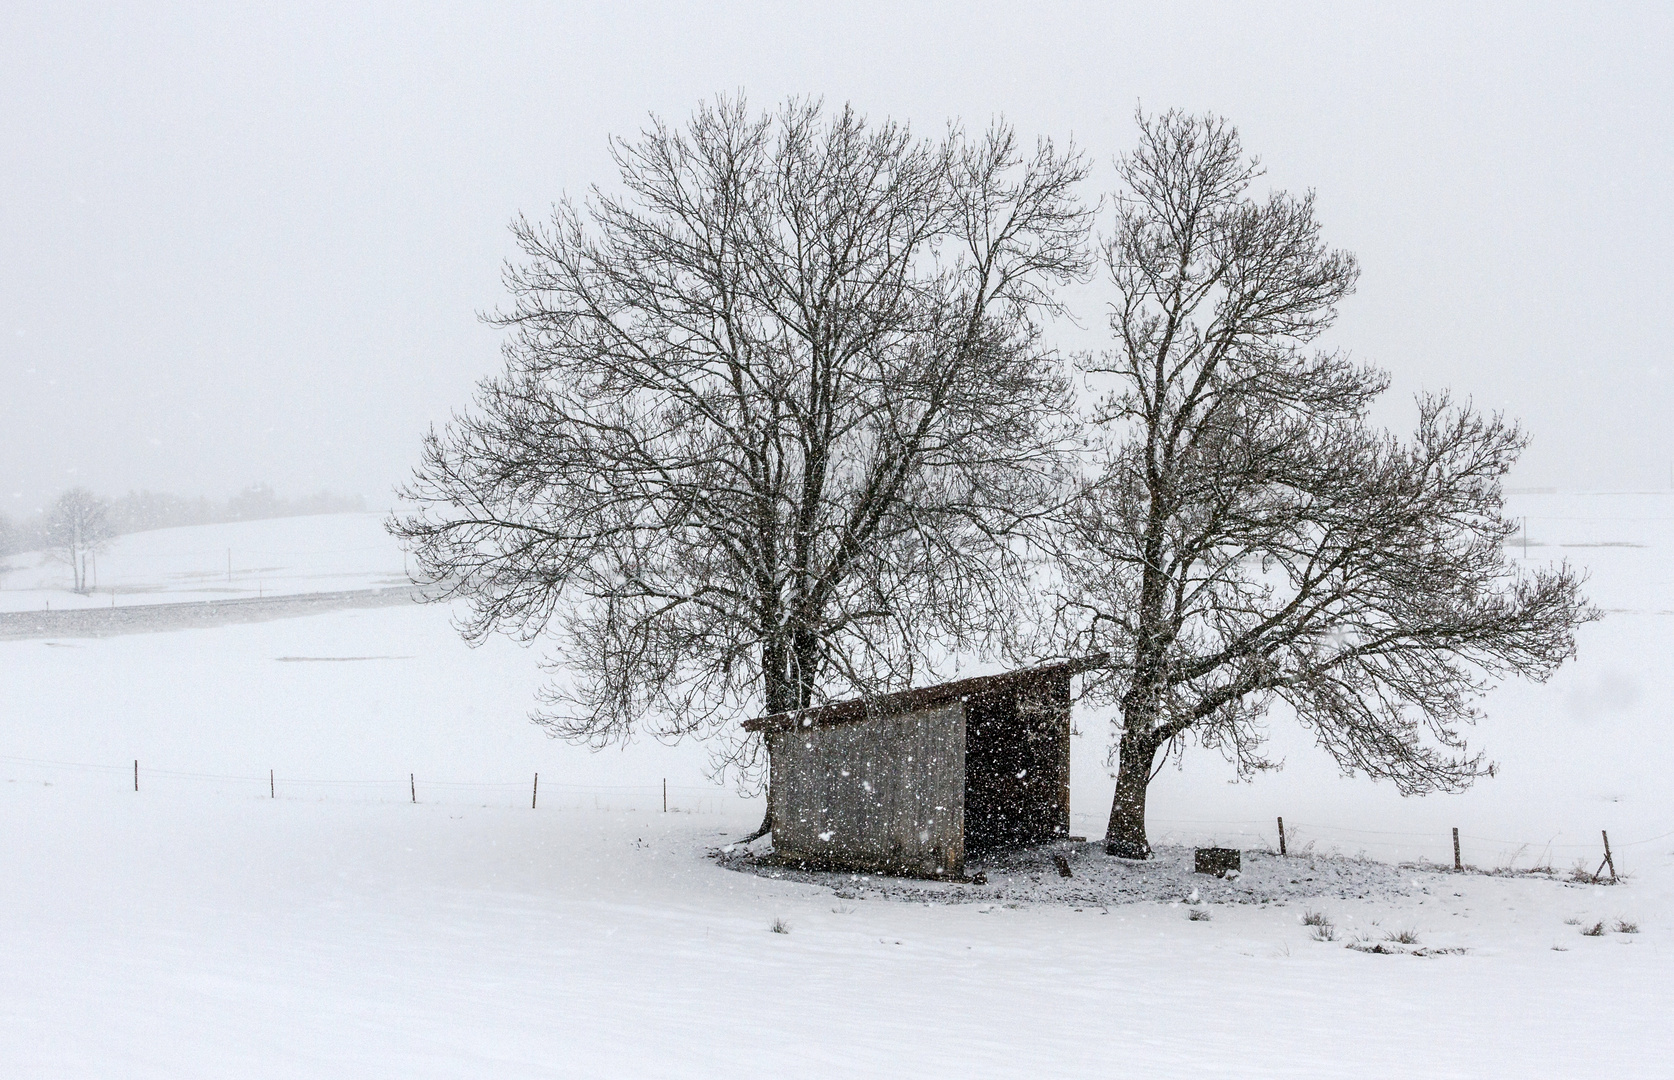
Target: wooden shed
[[913, 782]]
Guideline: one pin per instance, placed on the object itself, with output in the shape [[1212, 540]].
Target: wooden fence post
[[272, 794], [414, 784], [1608, 861], [136, 774], [1457, 864], [665, 794], [1281, 836], [535, 794]]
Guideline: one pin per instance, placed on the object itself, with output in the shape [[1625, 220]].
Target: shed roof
[[847, 712]]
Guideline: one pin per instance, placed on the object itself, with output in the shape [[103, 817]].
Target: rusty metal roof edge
[[855, 709]]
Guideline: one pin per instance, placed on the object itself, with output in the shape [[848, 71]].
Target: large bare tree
[[767, 418], [1249, 536]]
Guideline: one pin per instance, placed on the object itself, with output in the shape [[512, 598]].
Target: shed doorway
[[1017, 766]]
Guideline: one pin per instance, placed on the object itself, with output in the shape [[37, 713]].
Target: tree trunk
[[1125, 836], [766, 821], [777, 692], [788, 673], [783, 694]]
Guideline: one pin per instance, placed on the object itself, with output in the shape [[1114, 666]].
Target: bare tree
[[78, 527], [766, 419], [1249, 536]]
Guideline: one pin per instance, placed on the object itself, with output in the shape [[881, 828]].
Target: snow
[[280, 556], [1029, 876], [201, 927]]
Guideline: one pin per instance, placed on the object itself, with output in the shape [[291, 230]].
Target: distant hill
[[270, 557]]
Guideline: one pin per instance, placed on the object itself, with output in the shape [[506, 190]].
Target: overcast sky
[[252, 245]]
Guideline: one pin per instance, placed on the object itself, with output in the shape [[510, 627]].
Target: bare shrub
[[1581, 875], [1510, 862]]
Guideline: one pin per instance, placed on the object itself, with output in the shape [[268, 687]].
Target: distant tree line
[[79, 518]]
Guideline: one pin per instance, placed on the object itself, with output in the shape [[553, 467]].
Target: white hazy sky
[[241, 244]]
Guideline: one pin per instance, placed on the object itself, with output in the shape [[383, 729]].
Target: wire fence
[[1433, 845], [535, 792], [1557, 851]]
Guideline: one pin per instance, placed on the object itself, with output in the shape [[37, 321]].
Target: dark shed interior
[[1017, 764]]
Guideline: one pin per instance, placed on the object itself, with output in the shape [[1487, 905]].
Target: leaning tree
[[1248, 537], [768, 417]]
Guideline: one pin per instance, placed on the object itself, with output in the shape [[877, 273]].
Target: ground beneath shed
[[1032, 876]]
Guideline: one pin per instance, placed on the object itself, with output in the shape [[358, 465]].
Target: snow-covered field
[[282, 556], [201, 927]]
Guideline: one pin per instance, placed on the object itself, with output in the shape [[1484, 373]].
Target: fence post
[[1610, 862], [136, 774], [270, 792], [1281, 836], [665, 794], [535, 794], [414, 784], [1457, 865]]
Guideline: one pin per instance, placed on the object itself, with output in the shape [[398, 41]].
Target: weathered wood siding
[[883, 794]]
